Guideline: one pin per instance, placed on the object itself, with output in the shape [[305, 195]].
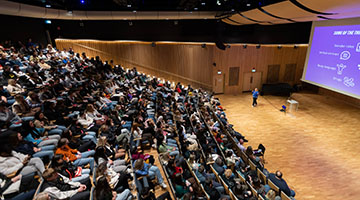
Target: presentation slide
[[334, 59]]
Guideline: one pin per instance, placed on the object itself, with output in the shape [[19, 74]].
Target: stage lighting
[[195, 8], [82, 1], [248, 5], [129, 5], [203, 3], [48, 6], [47, 21]]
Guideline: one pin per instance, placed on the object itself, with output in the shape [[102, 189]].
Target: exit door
[[218, 82], [252, 81]]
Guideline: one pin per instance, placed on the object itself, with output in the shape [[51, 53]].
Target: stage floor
[[317, 148]]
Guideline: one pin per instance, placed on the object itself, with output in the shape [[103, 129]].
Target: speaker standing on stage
[[255, 94]]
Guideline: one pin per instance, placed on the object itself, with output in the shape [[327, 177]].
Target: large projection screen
[[333, 56]]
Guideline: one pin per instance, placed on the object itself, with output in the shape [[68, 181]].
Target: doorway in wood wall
[[251, 81], [218, 83]]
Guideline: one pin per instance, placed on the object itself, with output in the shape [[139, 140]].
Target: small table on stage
[[292, 102]]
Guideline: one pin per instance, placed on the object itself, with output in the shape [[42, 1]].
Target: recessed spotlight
[[203, 3], [48, 6], [248, 4], [129, 5]]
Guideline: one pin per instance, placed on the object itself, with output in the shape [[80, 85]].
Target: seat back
[[232, 195], [92, 193], [215, 172], [261, 176], [274, 187], [37, 191], [241, 177], [224, 184], [255, 193], [284, 196], [252, 165]]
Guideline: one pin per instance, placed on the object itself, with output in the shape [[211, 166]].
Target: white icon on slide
[[358, 47], [349, 82], [341, 67], [345, 55]]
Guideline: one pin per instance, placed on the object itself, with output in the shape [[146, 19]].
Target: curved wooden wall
[[187, 63]]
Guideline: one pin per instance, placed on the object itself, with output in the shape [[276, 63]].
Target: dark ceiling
[[152, 5]]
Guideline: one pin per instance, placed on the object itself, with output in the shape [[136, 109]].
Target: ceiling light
[[129, 5], [248, 4], [232, 10], [203, 3], [218, 2], [48, 6], [195, 8]]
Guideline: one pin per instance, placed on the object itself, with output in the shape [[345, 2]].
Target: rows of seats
[[74, 127]]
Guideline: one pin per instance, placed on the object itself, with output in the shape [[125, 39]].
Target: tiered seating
[[90, 101]]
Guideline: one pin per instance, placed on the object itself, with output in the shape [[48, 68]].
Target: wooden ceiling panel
[[287, 10], [231, 22], [258, 15], [240, 19], [333, 6]]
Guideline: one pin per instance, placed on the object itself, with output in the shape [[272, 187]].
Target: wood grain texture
[[178, 62], [189, 63], [251, 57], [316, 148]]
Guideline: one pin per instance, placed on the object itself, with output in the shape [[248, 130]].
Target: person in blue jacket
[[255, 94]]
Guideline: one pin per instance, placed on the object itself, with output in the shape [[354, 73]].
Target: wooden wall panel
[[234, 76], [290, 70], [178, 62], [273, 74], [189, 63], [251, 57]]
